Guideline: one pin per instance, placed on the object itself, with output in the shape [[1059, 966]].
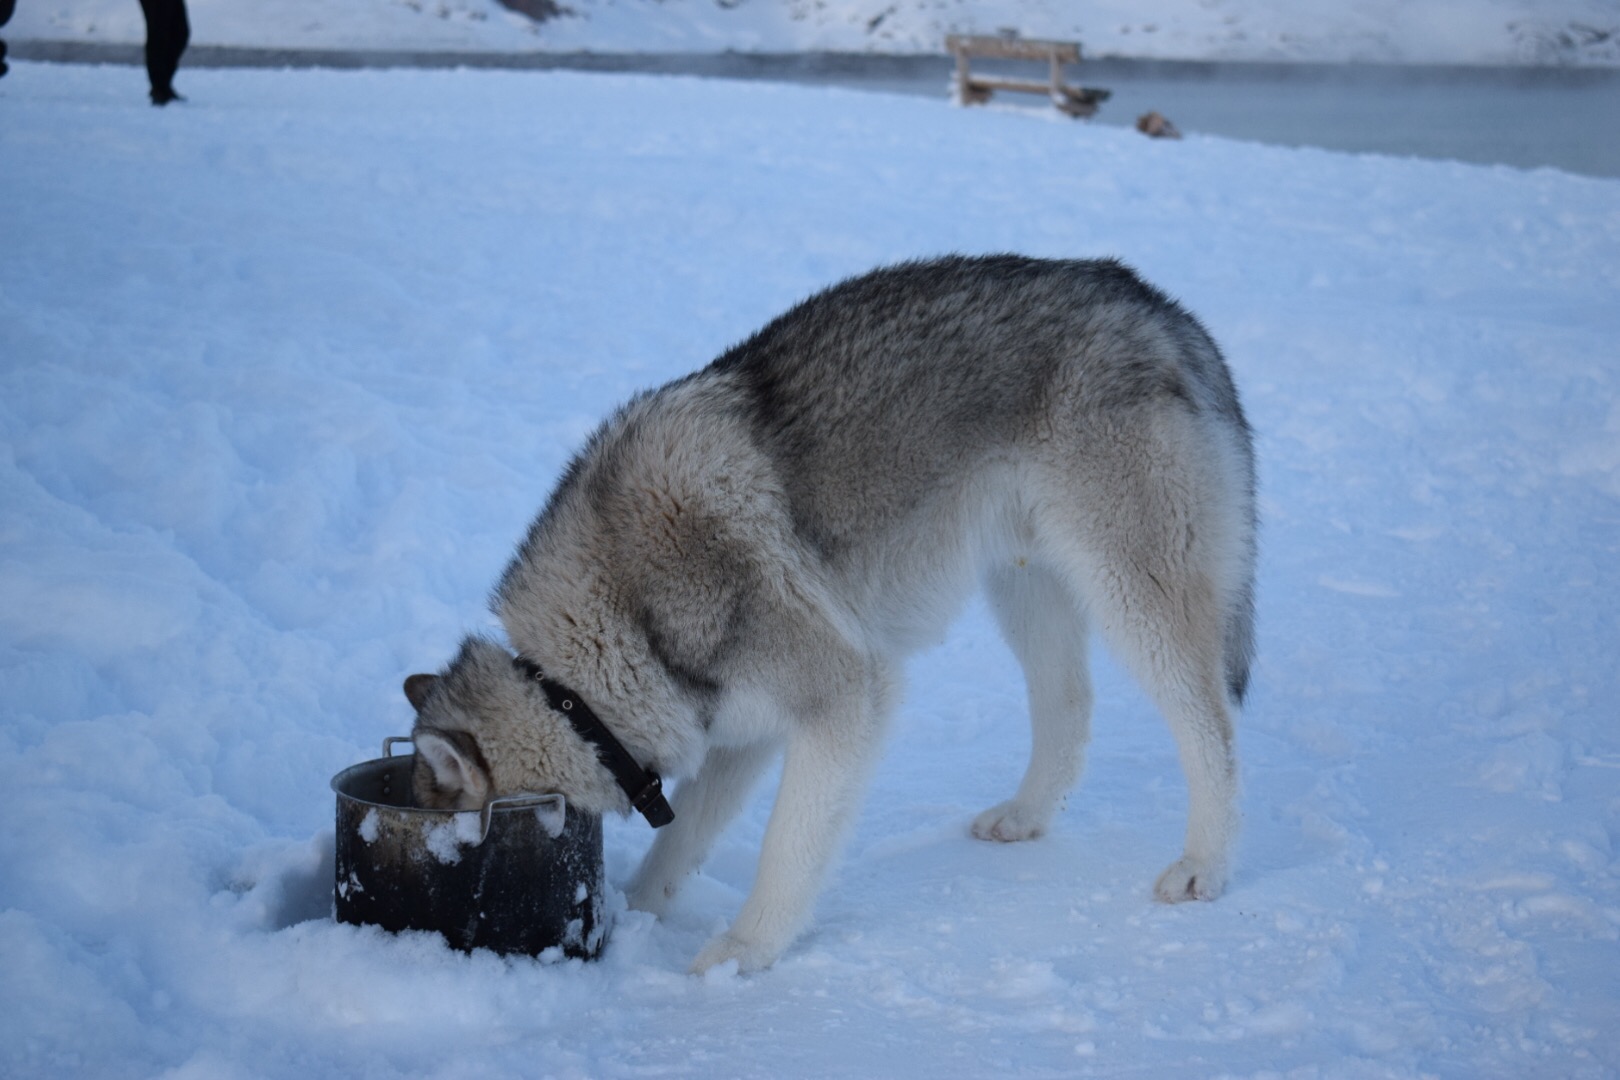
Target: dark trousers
[[168, 31], [6, 8]]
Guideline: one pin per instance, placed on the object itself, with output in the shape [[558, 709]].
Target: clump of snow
[[1387, 31], [288, 370], [552, 815], [445, 839]]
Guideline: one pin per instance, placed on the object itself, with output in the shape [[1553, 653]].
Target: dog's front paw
[[653, 897], [1191, 878], [1009, 822], [750, 956]]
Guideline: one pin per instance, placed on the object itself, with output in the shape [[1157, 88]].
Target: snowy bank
[[1380, 31]]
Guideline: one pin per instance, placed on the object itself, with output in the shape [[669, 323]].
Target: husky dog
[[738, 562]]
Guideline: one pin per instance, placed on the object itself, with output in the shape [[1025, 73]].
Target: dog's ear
[[417, 689], [456, 767]]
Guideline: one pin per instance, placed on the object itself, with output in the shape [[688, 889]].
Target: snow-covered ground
[[284, 373], [1384, 31]]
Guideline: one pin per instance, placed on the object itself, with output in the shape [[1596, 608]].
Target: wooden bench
[[974, 89]]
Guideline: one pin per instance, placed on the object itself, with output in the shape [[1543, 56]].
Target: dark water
[[1565, 118]]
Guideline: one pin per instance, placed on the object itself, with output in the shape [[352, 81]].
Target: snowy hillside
[[1389, 31], [285, 372]]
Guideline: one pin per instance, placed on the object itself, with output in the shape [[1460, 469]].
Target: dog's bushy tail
[[1240, 641]]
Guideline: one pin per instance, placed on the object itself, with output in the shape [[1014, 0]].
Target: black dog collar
[[643, 786]]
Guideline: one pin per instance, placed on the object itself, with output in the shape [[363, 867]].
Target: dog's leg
[[822, 775], [1047, 632], [1146, 540], [1163, 617], [703, 806], [1203, 731]]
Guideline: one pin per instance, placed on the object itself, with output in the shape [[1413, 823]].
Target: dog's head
[[484, 730]]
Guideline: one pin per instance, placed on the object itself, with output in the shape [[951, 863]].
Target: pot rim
[[499, 805]]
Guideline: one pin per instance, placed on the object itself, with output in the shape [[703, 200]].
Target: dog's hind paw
[[1190, 878], [725, 948], [1009, 822]]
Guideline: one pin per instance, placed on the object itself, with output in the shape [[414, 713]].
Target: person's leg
[[6, 8], [168, 31]]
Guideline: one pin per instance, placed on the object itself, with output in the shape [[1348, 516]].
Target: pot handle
[[388, 743], [552, 810]]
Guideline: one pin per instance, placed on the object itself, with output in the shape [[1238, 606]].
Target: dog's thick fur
[[737, 563]]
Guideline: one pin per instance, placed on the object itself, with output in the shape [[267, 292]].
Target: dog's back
[[881, 399]]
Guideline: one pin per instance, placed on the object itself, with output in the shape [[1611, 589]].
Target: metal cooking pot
[[523, 875]]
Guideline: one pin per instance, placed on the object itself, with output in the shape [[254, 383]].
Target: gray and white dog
[[738, 562]]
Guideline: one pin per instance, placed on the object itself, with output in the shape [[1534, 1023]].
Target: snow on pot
[[523, 875]]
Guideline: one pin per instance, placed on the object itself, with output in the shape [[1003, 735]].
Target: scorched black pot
[[522, 876]]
